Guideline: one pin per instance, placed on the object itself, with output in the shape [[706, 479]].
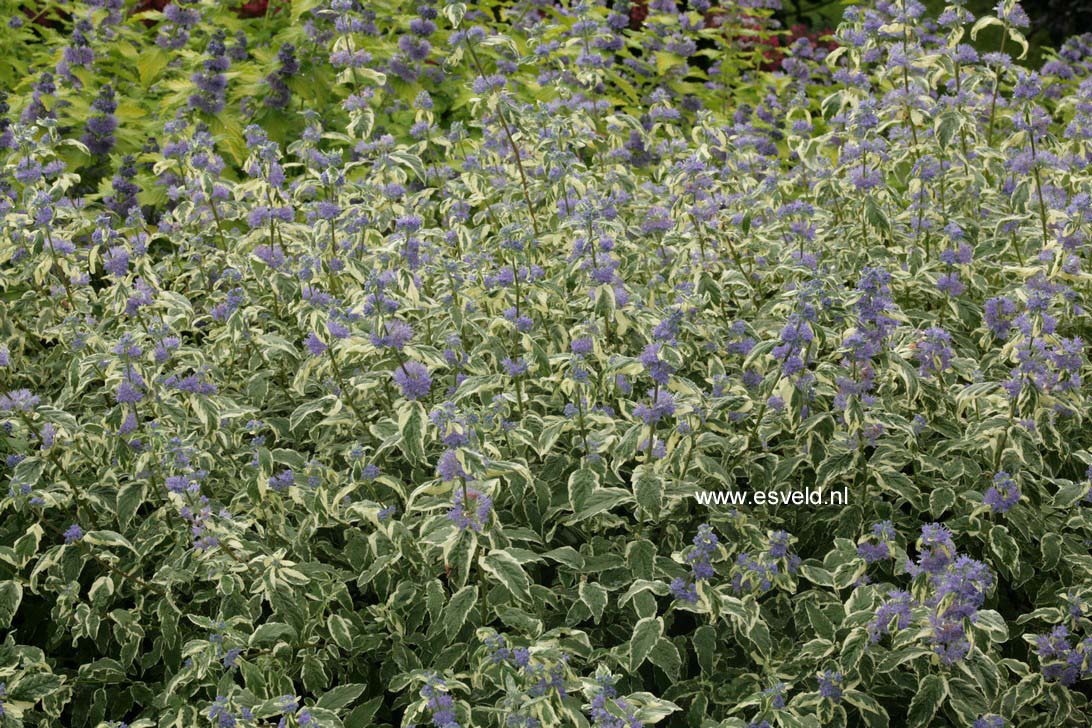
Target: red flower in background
[[146, 5], [251, 9], [254, 9], [777, 45]]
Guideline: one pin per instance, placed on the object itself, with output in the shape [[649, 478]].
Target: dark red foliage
[[638, 11], [254, 9], [779, 43], [251, 9], [145, 5], [42, 17]]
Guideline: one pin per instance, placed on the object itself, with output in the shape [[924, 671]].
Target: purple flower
[[99, 134], [873, 552], [73, 534], [282, 480], [472, 512], [19, 400], [220, 711], [314, 344], [962, 255], [582, 346], [398, 334], [949, 639], [656, 409], [934, 351], [884, 530], [514, 368], [1003, 494], [413, 379], [327, 210], [779, 544], [657, 220], [279, 93], [449, 468], [337, 329], [231, 656], [607, 710], [128, 392], [967, 582], [657, 369], [777, 695], [892, 615], [684, 590], [1060, 660], [830, 685], [950, 284], [700, 557], [937, 549], [210, 81]]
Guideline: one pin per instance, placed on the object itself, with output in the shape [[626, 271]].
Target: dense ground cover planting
[[361, 363]]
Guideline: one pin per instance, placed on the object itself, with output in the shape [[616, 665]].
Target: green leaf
[[947, 125], [965, 700], [314, 674], [27, 544], [993, 624], [341, 697], [581, 485], [128, 501], [362, 715], [107, 538], [105, 670], [458, 608], [870, 709], [599, 501], [1051, 547], [648, 488], [1018, 38], [941, 500], [11, 594], [28, 471], [568, 556], [508, 571], [455, 13], [35, 686], [341, 630], [665, 656], [1022, 694], [270, 633], [984, 22], [306, 409], [876, 215], [1003, 545], [641, 558], [705, 646], [645, 635], [666, 61], [651, 709], [817, 575], [820, 622], [595, 597], [150, 64], [412, 425], [927, 701]]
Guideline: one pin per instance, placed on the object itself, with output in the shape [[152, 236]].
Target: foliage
[[363, 365]]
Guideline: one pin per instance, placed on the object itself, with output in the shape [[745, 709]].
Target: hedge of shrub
[[374, 364]]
